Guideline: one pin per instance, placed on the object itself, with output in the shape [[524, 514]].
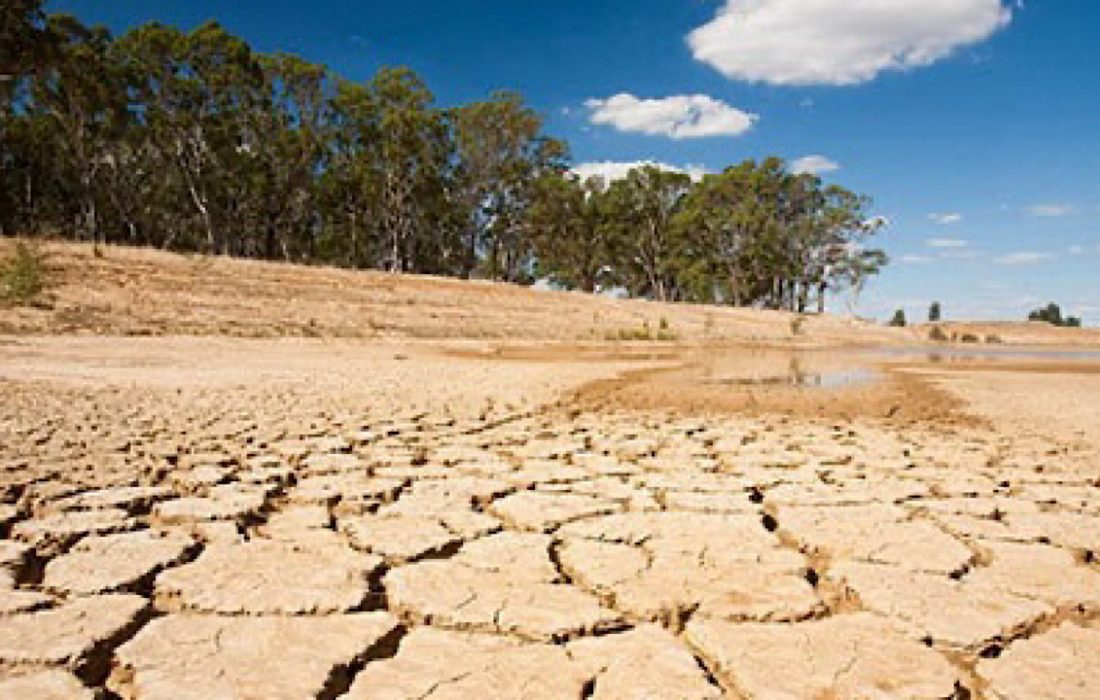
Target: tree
[[758, 234], [934, 312], [572, 239], [283, 146], [724, 223], [501, 152], [23, 39], [410, 159], [350, 189], [193, 141], [1052, 314], [898, 321], [643, 207], [81, 95]]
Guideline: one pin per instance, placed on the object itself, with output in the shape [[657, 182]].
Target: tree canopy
[[193, 141], [1052, 314]]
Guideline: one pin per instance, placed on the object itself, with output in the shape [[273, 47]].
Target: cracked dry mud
[[279, 539]]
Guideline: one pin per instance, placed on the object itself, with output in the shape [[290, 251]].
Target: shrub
[[937, 335], [898, 321], [643, 333], [993, 340], [22, 276], [796, 325], [970, 338]]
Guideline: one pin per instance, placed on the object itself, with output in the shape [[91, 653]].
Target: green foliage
[[21, 37], [898, 320], [22, 275], [192, 141], [935, 312], [1052, 314], [759, 234]]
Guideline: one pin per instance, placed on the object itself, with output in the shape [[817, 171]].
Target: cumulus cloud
[[946, 218], [1051, 211], [1023, 258], [617, 170], [839, 42], [814, 165], [947, 243], [677, 117]]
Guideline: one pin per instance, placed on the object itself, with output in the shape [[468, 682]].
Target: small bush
[[970, 338], [796, 325], [643, 333], [22, 276], [937, 335], [993, 340]]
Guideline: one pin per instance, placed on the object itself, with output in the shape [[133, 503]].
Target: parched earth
[[294, 537]]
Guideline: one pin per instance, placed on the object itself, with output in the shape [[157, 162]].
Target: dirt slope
[[131, 291], [143, 292]]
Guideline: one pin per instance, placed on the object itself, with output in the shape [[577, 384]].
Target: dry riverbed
[[227, 518]]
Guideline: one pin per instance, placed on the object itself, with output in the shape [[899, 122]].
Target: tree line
[[193, 141]]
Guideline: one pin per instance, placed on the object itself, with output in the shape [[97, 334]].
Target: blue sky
[[974, 124]]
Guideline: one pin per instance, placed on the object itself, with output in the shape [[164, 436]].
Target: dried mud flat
[[186, 518]]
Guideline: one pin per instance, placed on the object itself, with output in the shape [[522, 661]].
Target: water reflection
[[772, 368]]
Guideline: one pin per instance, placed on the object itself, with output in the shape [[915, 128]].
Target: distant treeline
[[195, 142]]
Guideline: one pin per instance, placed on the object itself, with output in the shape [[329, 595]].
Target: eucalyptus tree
[[283, 145], [834, 254], [643, 207], [410, 158], [78, 91], [195, 92], [22, 39], [573, 239], [725, 221], [349, 191], [500, 151]]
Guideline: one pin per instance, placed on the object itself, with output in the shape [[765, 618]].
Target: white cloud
[[814, 165], [958, 254], [1076, 250], [617, 170], [946, 218], [678, 117], [915, 259], [947, 243], [1023, 258], [839, 42], [1051, 211]]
